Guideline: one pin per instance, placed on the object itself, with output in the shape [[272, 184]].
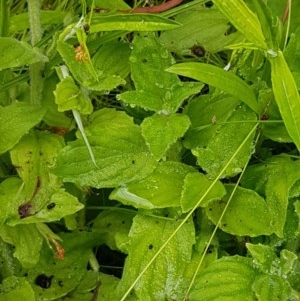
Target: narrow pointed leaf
[[286, 96], [131, 22], [218, 78], [244, 20]]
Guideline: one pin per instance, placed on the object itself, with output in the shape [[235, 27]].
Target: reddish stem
[[153, 9]]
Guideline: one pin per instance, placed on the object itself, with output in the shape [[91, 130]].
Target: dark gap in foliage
[[111, 261]]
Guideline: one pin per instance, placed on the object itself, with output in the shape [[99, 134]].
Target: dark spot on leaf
[[123, 222], [264, 117], [43, 280], [86, 28], [133, 162], [224, 225], [144, 60], [51, 206], [41, 153], [60, 283], [24, 210], [150, 247], [108, 225], [210, 209]]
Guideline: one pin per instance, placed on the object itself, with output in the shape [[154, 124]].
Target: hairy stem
[[35, 70]]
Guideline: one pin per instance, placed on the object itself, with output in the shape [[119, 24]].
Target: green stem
[[35, 70], [4, 19]]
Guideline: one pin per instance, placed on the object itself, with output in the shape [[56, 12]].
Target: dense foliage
[[149, 156]]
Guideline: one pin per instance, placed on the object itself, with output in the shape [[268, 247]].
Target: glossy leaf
[[131, 22], [271, 287], [226, 279], [32, 157], [13, 287], [27, 241], [286, 96], [164, 277], [244, 20], [206, 28], [160, 131], [69, 97], [15, 121], [219, 78], [161, 189], [156, 89], [120, 152], [16, 53], [194, 189], [247, 213], [226, 141]]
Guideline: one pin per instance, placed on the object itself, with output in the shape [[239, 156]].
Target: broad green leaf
[[226, 141], [119, 149], [60, 205], [219, 78], [16, 53], [160, 131], [213, 109], [82, 71], [274, 179], [244, 20], [226, 279], [156, 89], [286, 95], [131, 22], [15, 121], [115, 5], [207, 28], [247, 213], [27, 241], [10, 189], [69, 97], [163, 278], [20, 22], [104, 61], [16, 288], [161, 189], [264, 258], [65, 274], [195, 186], [33, 156], [52, 117], [271, 287]]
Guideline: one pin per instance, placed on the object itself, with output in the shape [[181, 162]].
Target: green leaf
[[16, 288], [161, 189], [20, 22], [164, 277], [202, 127], [16, 53], [15, 121], [195, 186], [207, 28], [69, 97], [247, 213], [33, 156], [286, 96], [156, 89], [131, 22], [160, 131], [226, 279], [244, 20], [112, 75], [271, 287], [218, 78], [27, 241], [226, 141], [119, 149]]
